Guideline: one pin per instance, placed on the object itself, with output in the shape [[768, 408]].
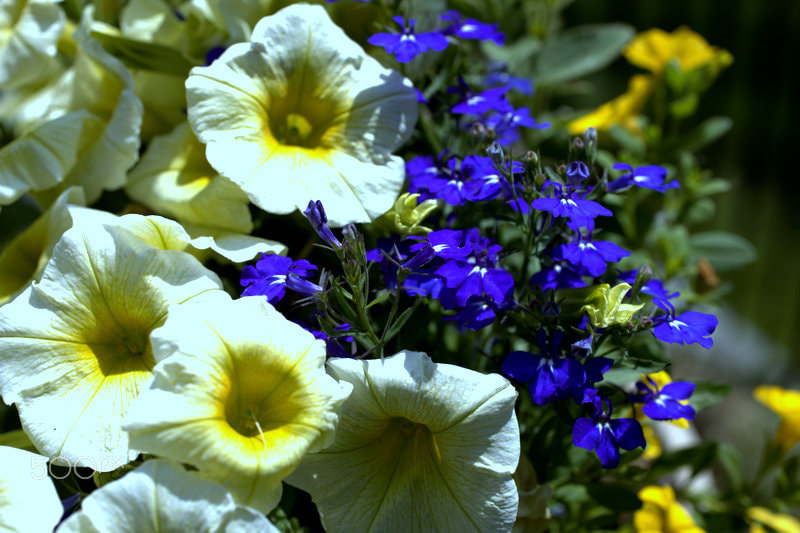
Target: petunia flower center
[[296, 131], [125, 350], [404, 436]]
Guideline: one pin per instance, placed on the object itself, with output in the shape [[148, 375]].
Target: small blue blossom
[[592, 256], [686, 328], [506, 124], [468, 28], [649, 177], [605, 436], [489, 100], [498, 76], [407, 45], [389, 254], [273, 274], [564, 203], [665, 403], [547, 375], [474, 179], [577, 171], [558, 276], [315, 214]]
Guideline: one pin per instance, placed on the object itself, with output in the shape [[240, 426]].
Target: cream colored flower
[[605, 308], [28, 499], [75, 347], [162, 496], [174, 179], [420, 447], [87, 133], [29, 31], [303, 113], [24, 258], [242, 395]]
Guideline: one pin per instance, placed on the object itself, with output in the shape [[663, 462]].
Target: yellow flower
[[605, 308], [624, 110], [303, 113], [654, 49], [406, 215], [28, 498], [786, 403], [420, 446], [242, 395], [162, 496], [661, 513], [653, 449], [781, 523], [75, 347]]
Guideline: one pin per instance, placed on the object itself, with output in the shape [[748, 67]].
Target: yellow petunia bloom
[[162, 496], [778, 522], [303, 113], [420, 446], [654, 49], [623, 110], [242, 395], [75, 347], [661, 513], [28, 499], [786, 403], [605, 308]]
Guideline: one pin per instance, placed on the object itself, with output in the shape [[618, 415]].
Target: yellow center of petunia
[[262, 402], [125, 351], [412, 435]]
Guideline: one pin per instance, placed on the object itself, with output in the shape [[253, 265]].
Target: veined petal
[[301, 113], [241, 394], [28, 498], [75, 346], [29, 31], [162, 496], [420, 447]]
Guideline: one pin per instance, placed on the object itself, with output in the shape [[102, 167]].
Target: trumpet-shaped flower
[[242, 395], [605, 308], [87, 133], [786, 403], [302, 112], [29, 31], [661, 512], [174, 179], [162, 496], [623, 110], [75, 348], [28, 498], [654, 49], [420, 447]]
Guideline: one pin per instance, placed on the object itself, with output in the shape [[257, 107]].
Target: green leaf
[[616, 496], [725, 251], [400, 322], [705, 133], [685, 106], [708, 393], [628, 141], [731, 461], [571, 493], [714, 186], [579, 51], [144, 55]]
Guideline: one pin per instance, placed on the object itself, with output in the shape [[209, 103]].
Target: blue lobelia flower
[[468, 28], [273, 274], [407, 45], [499, 76], [591, 256], [605, 435], [649, 177], [472, 103], [558, 276], [389, 254], [548, 376], [474, 179], [506, 124], [686, 328], [566, 203], [577, 171], [315, 213], [665, 403]]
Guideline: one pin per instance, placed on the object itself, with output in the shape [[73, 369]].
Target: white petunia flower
[[162, 496], [302, 112], [75, 348], [241, 394], [420, 447], [29, 32], [28, 499]]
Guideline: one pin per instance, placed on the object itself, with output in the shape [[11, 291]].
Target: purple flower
[[649, 177], [500, 77], [590, 255], [557, 276], [273, 274], [479, 103], [606, 436], [548, 376], [315, 214], [389, 254], [474, 179], [577, 171], [506, 124], [570, 204], [686, 328], [408, 45], [467, 28], [665, 403]]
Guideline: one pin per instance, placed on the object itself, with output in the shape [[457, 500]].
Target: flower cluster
[[274, 255]]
